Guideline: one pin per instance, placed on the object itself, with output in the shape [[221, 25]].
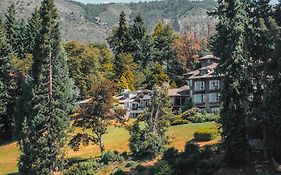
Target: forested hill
[[93, 22]]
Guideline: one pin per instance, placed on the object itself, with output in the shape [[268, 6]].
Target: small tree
[[149, 141], [95, 116]]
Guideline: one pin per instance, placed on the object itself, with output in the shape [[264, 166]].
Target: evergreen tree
[[21, 40], [277, 12], [11, 26], [260, 9], [230, 48], [43, 133], [119, 41], [164, 39], [272, 103], [138, 34], [5, 89], [32, 28]]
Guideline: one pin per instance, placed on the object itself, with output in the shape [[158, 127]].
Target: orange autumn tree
[[188, 48]]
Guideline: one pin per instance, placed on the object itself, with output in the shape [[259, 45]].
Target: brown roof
[[182, 91]]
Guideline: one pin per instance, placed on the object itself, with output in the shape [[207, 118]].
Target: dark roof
[[209, 73]]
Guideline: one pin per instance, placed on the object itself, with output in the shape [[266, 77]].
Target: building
[[134, 102], [179, 97], [205, 85]]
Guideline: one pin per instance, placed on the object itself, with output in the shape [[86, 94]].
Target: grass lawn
[[116, 139]]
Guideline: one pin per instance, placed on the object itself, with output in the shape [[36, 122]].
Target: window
[[215, 110], [199, 98], [199, 85], [214, 84], [214, 97]]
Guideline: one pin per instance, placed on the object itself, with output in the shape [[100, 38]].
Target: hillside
[[92, 22]]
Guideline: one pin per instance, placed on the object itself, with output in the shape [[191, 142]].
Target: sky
[[108, 1]]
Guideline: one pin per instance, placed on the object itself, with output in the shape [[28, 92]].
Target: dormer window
[[203, 72]]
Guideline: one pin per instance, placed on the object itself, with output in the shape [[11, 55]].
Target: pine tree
[[273, 105], [21, 40], [230, 48], [32, 28], [5, 89], [277, 12], [138, 34], [119, 41], [11, 26], [43, 133]]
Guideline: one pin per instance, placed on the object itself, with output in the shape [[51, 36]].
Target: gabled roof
[[210, 72]]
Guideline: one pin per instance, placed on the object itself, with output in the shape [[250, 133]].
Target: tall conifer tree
[[5, 87], [120, 40], [32, 28], [44, 128], [11, 26], [230, 48]]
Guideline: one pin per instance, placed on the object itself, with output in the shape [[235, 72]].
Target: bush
[[170, 155], [206, 134], [162, 168], [190, 113], [119, 172], [110, 156], [191, 148], [144, 144], [178, 120], [83, 168], [193, 115]]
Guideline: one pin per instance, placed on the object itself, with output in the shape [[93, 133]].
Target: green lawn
[[116, 139]]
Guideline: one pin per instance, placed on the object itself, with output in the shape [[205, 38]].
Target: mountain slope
[[92, 22]]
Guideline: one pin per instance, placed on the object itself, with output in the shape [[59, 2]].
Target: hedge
[[206, 134]]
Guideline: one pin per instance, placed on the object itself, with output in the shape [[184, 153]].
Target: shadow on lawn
[[12, 174]]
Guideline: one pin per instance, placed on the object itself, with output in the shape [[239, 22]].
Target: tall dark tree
[[21, 40], [230, 47], [32, 28], [11, 26], [43, 133], [277, 12], [273, 105], [119, 41], [5, 87], [138, 34]]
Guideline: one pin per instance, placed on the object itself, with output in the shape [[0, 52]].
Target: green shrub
[[170, 155], [193, 115], [119, 172], [83, 168], [191, 148], [110, 156], [162, 168], [144, 144], [179, 120], [206, 134]]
